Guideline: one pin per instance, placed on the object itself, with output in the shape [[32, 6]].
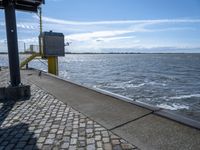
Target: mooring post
[[11, 29]]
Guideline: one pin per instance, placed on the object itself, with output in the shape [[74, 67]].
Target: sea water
[[169, 81]]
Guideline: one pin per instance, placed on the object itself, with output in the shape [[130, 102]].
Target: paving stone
[[29, 147], [49, 141], [21, 145], [74, 135], [39, 145], [24, 138], [105, 134], [53, 130], [66, 139], [82, 124], [99, 144], [51, 136], [13, 141], [72, 148], [60, 132], [81, 143], [56, 148], [89, 130], [19, 135], [47, 147], [4, 143], [91, 147], [65, 145], [44, 134], [59, 136], [97, 137], [41, 139], [106, 140], [38, 131], [90, 141], [90, 135], [9, 147], [73, 141], [46, 129]]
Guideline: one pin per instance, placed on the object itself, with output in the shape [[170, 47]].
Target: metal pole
[[11, 30], [40, 15], [24, 47], [40, 11]]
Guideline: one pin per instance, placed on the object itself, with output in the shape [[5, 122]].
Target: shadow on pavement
[[14, 135]]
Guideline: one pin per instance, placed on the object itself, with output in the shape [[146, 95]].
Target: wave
[[173, 106], [151, 83], [134, 86], [129, 84], [155, 83], [185, 96]]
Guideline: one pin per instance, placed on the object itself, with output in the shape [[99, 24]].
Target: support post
[[53, 65], [15, 91], [11, 30]]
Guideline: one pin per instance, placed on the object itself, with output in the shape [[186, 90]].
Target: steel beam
[[11, 29]]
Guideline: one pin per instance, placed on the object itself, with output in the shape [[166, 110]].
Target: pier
[[64, 115], [39, 110]]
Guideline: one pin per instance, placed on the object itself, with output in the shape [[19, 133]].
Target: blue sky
[[115, 25]]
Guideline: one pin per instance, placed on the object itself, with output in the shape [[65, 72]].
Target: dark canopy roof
[[24, 5]]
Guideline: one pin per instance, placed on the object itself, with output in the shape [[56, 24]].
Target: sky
[[114, 25]]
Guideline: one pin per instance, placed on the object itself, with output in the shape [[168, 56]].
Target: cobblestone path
[[44, 122]]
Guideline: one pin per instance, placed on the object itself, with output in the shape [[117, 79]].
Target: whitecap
[[155, 83], [135, 86], [185, 96], [173, 106]]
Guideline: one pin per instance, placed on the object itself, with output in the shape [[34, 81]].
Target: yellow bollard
[[53, 65]]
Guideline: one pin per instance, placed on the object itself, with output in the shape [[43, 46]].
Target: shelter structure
[[16, 90]]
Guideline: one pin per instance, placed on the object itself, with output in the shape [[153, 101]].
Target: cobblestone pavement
[[44, 122]]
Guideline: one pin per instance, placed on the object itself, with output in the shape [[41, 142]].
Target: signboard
[[23, 5], [52, 44]]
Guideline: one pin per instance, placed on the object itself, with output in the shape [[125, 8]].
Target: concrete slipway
[[146, 127]]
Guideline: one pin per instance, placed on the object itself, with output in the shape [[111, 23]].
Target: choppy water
[[170, 81]]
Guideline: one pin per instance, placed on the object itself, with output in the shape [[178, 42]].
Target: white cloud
[[156, 21], [24, 25], [114, 38], [96, 35]]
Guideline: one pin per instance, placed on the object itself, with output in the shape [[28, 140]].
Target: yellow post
[[53, 65]]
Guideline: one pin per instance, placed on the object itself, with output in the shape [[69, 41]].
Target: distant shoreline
[[5, 53], [132, 53]]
